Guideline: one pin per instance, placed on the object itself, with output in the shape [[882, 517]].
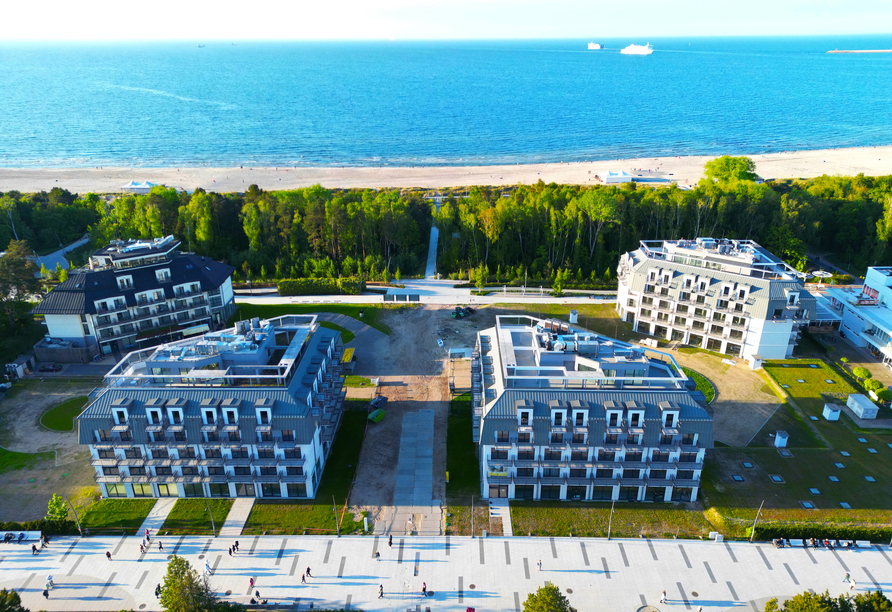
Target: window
[[190, 470], [266, 453], [167, 490], [524, 438], [163, 470], [294, 470], [635, 419], [778, 313], [193, 489], [557, 438], [658, 474], [292, 454], [634, 457], [264, 417], [106, 454], [288, 435], [611, 439], [660, 457], [133, 453], [577, 473], [116, 490], [160, 453], [268, 471], [631, 473], [137, 470], [110, 471], [154, 417], [502, 437], [187, 453], [579, 438], [235, 436], [231, 417], [552, 455], [297, 489], [688, 458], [558, 419], [143, 490], [685, 475], [665, 440], [126, 436], [526, 455], [551, 472], [604, 473], [688, 439], [179, 436], [272, 489], [120, 417], [579, 455], [240, 453], [614, 419], [241, 470], [103, 435], [219, 490], [670, 420], [216, 470], [212, 436], [606, 456], [551, 492], [526, 472], [498, 454]]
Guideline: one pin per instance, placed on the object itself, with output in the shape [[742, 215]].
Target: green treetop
[[726, 170]]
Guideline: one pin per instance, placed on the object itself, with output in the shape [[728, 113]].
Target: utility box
[[862, 406], [574, 316], [780, 439], [831, 412]]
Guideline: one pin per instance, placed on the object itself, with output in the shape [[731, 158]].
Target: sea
[[402, 103]]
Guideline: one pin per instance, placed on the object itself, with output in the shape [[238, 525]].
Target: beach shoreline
[[686, 170]]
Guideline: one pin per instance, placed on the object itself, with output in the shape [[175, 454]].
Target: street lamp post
[[76, 519], [753, 533], [213, 525]]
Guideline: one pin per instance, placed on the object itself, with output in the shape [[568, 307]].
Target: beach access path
[[484, 573], [687, 170]]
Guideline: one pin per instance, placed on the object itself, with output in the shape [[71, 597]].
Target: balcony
[[237, 461], [604, 482], [104, 462], [181, 293], [103, 309]]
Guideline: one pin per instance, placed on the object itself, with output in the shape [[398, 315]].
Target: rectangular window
[[577, 473], [580, 419], [241, 470], [687, 439], [288, 435], [498, 454], [213, 453], [634, 457], [187, 453], [557, 438], [271, 489], [579, 438], [551, 472], [160, 453], [631, 473], [143, 490], [179, 436], [670, 420], [240, 453], [604, 473], [526, 472], [558, 419], [163, 470], [502, 437], [294, 470], [116, 490], [137, 470], [216, 470], [110, 471], [579, 455], [611, 439], [219, 490], [292, 454], [244, 489], [614, 420], [524, 438], [190, 470], [266, 453], [193, 489], [268, 471], [552, 455], [526, 455], [297, 489]]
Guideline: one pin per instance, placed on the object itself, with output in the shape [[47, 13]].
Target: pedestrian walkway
[[238, 516], [499, 509], [158, 515], [487, 574], [430, 271]]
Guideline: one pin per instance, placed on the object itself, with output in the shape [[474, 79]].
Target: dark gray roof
[[83, 287], [287, 413], [503, 414]]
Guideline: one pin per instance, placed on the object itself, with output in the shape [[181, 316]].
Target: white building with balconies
[[250, 411], [865, 311], [727, 296], [565, 414]]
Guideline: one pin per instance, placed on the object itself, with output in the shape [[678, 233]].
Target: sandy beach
[[872, 161]]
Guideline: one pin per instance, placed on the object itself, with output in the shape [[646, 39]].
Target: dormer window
[[209, 417], [125, 282], [558, 418], [613, 419], [793, 299], [635, 419], [524, 418], [175, 415], [120, 416], [231, 417], [702, 286], [669, 420], [162, 275], [263, 417], [154, 417], [579, 419]]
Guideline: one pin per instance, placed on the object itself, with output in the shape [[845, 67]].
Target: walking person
[[46, 593], [663, 597], [159, 545], [303, 578], [380, 591], [424, 589], [230, 551], [236, 546], [390, 541], [251, 582], [148, 537], [539, 564], [847, 578], [207, 568], [142, 549], [108, 555], [377, 556], [34, 550], [309, 575], [852, 585]]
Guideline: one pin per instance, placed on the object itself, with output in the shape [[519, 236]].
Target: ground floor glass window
[[297, 489], [193, 490], [524, 491], [219, 490], [143, 490], [245, 489], [116, 490]]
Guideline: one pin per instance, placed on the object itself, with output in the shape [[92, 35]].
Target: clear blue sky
[[434, 19]]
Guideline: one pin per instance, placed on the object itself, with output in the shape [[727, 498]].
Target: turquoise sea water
[[444, 103]]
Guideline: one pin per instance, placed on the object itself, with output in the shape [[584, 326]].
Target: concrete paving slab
[[238, 516], [158, 515]]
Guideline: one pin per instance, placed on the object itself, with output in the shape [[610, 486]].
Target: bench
[[29, 535], [863, 544], [844, 542], [799, 543]]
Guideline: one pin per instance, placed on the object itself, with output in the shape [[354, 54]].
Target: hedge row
[[321, 286], [48, 527], [804, 531]]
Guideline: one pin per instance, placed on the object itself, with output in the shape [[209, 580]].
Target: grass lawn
[[357, 381], [267, 311], [190, 516], [346, 334], [317, 515], [464, 471], [11, 461], [61, 418], [591, 520], [696, 349], [816, 446], [703, 384], [116, 514]]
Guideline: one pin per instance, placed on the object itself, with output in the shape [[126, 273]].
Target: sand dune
[[872, 161]]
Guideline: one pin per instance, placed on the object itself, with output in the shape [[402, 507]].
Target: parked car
[[50, 367]]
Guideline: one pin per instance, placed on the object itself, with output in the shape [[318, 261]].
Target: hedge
[[48, 527], [800, 531], [321, 286]]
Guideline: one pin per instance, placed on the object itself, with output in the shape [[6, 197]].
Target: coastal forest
[[519, 234]]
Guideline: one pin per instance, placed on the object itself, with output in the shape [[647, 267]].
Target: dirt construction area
[[412, 368], [61, 467]]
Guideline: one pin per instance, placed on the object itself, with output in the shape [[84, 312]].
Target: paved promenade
[[487, 574]]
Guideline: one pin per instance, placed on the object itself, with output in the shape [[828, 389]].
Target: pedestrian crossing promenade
[[483, 573]]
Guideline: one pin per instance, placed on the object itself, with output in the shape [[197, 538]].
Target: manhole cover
[[647, 609], [472, 586], [142, 606], [229, 592], [570, 591], [201, 556], [695, 594], [169, 557]]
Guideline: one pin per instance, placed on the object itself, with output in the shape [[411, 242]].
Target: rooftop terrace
[[743, 257]]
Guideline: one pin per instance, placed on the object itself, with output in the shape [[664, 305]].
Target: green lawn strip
[[464, 471], [346, 334], [547, 518], [318, 515], [117, 514], [357, 381], [11, 461], [786, 419], [690, 350], [61, 418], [268, 311], [190, 516], [703, 384]]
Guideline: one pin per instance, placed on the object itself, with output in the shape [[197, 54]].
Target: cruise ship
[[593, 46], [638, 50]]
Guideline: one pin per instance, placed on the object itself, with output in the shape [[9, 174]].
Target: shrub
[[800, 531], [873, 385], [46, 526], [320, 286], [862, 373]]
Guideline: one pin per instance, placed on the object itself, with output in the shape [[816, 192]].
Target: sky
[[205, 20]]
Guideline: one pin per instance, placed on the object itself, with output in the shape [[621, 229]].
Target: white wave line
[[166, 94]]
